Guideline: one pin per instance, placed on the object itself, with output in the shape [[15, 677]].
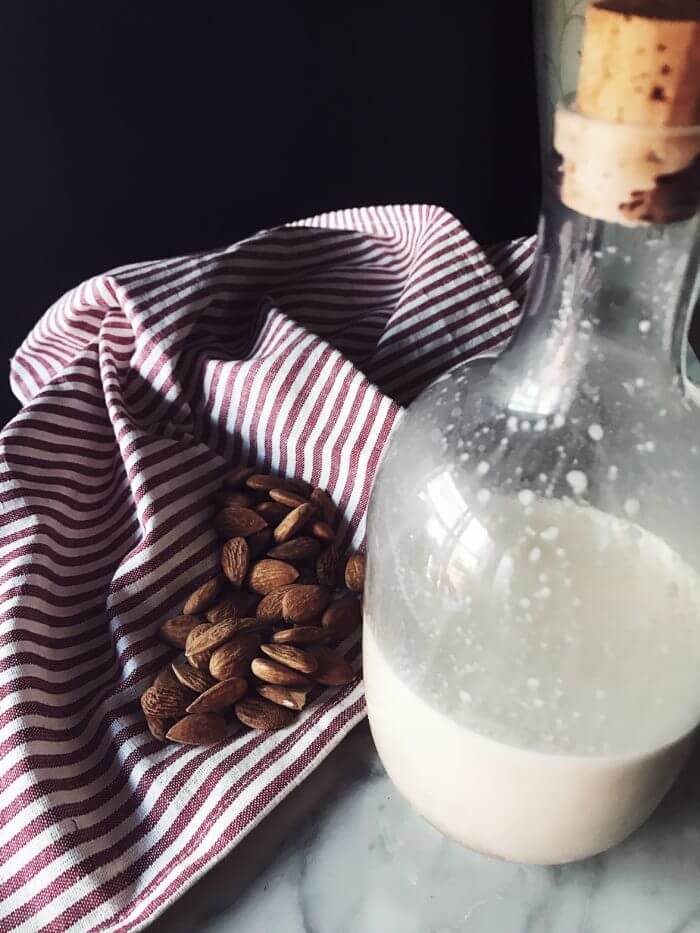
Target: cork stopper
[[631, 147], [641, 62]]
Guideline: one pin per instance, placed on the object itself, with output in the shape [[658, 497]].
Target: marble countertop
[[345, 854]]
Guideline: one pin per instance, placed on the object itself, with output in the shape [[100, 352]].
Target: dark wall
[[133, 130]]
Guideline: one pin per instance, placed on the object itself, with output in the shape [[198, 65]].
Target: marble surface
[[345, 854]]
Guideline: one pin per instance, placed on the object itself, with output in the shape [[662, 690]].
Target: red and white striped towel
[[292, 350]]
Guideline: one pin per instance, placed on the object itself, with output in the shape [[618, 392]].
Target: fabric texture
[[294, 351]]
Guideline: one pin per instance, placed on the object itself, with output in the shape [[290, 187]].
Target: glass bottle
[[532, 607]]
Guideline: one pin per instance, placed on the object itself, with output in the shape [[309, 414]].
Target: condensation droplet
[[578, 481], [632, 507], [612, 472], [483, 496], [550, 534], [483, 467], [559, 420], [526, 497], [540, 424], [644, 327], [595, 432], [535, 555]]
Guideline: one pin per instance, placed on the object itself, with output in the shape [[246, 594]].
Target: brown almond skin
[[235, 500], [292, 698], [292, 657], [259, 543], [343, 616], [260, 714], [198, 729], [233, 658], [268, 575], [273, 512], [301, 635], [355, 572], [236, 478], [251, 626], [323, 531], [166, 702], [239, 522], [204, 596], [233, 606], [329, 567], [264, 482], [333, 670], [210, 638], [298, 549], [325, 504], [304, 603], [274, 673], [158, 726], [192, 678], [166, 678], [294, 522], [235, 560], [200, 660], [269, 608], [176, 630], [302, 487], [290, 499], [221, 695]]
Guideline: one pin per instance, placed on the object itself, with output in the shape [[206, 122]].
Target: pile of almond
[[257, 637]]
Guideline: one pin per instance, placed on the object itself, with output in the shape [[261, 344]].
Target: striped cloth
[[293, 350]]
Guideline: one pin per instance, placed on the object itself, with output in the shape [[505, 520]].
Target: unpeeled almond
[[233, 658], [220, 696], [191, 677], [239, 522], [176, 630], [204, 596], [343, 616], [198, 729], [300, 635], [355, 573], [304, 603], [274, 673], [333, 670], [268, 575], [291, 697], [235, 558], [259, 713], [291, 657], [294, 522]]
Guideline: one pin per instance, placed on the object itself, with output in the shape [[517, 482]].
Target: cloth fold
[[293, 350]]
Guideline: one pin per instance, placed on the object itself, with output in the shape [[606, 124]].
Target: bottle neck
[[594, 283]]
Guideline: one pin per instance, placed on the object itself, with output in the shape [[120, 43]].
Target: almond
[[190, 677], [166, 702], [290, 499], [273, 512], [267, 575], [175, 631], [323, 531], [274, 673], [303, 488], [199, 659], [300, 635], [239, 523], [235, 500], [222, 694], [204, 596], [231, 607], [304, 603], [158, 726], [291, 657], [252, 626], [233, 658], [259, 542], [342, 616], [235, 558], [236, 478], [325, 504], [263, 715], [284, 696], [211, 637], [298, 549], [165, 678], [328, 567], [294, 522], [265, 482], [355, 572], [199, 729], [333, 670], [270, 607]]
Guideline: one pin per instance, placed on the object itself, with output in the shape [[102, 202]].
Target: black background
[[134, 130]]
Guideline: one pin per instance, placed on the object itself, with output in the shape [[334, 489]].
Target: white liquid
[[545, 716]]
